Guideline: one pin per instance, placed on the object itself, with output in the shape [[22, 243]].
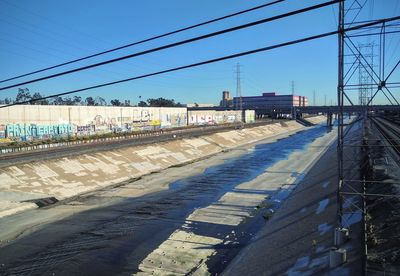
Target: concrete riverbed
[[195, 219], [64, 177]]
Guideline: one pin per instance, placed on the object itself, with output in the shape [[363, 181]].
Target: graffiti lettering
[[21, 130]]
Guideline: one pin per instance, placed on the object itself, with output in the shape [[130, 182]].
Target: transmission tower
[[292, 88], [314, 98], [370, 83], [365, 80], [239, 102]]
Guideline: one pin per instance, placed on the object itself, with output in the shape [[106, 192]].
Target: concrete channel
[[209, 212]]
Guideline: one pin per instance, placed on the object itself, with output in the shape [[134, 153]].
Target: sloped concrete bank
[[316, 119], [67, 177], [199, 212]]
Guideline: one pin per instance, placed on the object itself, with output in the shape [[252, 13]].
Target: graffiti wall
[[38, 130], [3, 131], [203, 117], [40, 121], [249, 116], [33, 131]]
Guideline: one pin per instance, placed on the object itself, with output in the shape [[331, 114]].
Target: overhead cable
[[263, 49], [146, 40], [254, 23]]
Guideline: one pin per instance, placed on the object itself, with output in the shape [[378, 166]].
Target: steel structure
[[372, 82], [239, 104], [364, 74]]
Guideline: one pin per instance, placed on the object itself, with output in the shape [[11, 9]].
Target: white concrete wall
[[249, 116], [85, 115], [199, 117]]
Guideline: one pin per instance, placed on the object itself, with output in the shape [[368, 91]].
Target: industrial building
[[226, 99], [269, 103], [270, 100]]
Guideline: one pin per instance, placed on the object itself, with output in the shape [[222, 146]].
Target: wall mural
[[136, 121], [3, 131], [26, 132], [212, 119]]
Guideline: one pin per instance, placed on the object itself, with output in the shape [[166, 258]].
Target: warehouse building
[[226, 99], [270, 101]]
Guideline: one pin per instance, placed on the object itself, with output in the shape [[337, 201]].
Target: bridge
[[275, 111], [347, 108]]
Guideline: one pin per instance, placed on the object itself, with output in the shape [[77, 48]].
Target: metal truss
[[376, 78]]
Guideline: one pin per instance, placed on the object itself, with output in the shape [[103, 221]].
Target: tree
[[142, 103], [89, 101], [58, 101], [116, 102], [77, 100], [100, 101], [127, 103], [161, 102], [23, 95], [36, 96], [6, 101], [68, 101]]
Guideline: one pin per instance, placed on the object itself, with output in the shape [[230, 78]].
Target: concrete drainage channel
[[166, 134], [29, 154], [214, 208], [43, 202]]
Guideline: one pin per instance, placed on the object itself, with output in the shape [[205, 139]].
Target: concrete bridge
[[347, 108], [330, 111]]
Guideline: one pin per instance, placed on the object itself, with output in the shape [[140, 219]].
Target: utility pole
[[325, 100]]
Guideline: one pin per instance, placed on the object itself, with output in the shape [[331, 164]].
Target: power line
[[51, 21], [181, 67], [147, 40], [263, 49], [60, 38], [254, 23]]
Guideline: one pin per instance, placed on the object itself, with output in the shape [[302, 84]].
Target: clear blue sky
[[36, 34]]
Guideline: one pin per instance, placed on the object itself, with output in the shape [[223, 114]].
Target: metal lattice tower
[[292, 88], [374, 79], [239, 102], [314, 102], [365, 72]]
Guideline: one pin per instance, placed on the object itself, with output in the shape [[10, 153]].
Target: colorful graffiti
[[199, 119], [2, 131], [22, 130]]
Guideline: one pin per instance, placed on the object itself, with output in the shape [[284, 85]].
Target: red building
[[270, 100]]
